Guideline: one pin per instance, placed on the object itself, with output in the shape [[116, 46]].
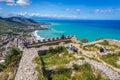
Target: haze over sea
[[90, 29]]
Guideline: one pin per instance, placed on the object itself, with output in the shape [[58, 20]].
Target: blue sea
[[90, 29]]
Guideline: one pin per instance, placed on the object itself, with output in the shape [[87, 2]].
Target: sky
[[62, 9]]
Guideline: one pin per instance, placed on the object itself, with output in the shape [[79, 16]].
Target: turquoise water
[[83, 29]]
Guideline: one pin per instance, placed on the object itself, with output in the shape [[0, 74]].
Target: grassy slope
[[111, 59], [83, 72]]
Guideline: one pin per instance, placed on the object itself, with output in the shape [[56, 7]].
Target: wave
[[37, 36]]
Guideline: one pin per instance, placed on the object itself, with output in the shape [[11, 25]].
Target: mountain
[[22, 21], [19, 24]]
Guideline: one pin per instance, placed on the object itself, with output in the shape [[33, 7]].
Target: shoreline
[[35, 33], [37, 37]]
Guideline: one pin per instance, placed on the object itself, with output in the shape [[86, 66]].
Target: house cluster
[[4, 39]]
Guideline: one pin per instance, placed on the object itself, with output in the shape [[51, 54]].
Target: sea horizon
[[89, 29]]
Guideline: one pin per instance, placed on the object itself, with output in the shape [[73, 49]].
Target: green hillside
[[19, 24]]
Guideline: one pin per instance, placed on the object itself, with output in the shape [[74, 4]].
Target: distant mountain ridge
[[12, 23], [21, 20]]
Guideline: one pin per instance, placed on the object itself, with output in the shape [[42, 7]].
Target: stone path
[[26, 70], [86, 53], [105, 70], [110, 73], [114, 68], [97, 57]]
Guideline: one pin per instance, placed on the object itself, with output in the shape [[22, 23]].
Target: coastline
[[35, 32], [37, 37], [80, 30]]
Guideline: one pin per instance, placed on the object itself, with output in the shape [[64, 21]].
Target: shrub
[[13, 56], [84, 72], [2, 67], [84, 40], [105, 42], [99, 39], [82, 58], [59, 77], [75, 66], [11, 64], [62, 74], [51, 50], [58, 49]]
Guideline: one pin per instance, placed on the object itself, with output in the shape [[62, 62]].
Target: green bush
[[99, 39], [82, 58], [105, 42], [84, 40], [75, 66], [59, 77], [62, 74], [84, 72], [12, 60], [58, 49], [13, 56], [2, 67]]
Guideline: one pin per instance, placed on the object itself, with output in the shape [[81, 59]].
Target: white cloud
[[1, 8], [22, 13], [67, 9], [107, 10], [116, 9], [78, 10], [23, 2], [8, 2], [26, 14], [103, 11], [16, 2]]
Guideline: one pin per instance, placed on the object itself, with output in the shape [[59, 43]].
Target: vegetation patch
[[111, 59], [52, 66], [105, 43], [62, 74], [92, 58], [99, 39], [112, 47], [85, 40], [82, 58], [57, 56], [84, 72], [38, 68], [92, 47], [11, 64]]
